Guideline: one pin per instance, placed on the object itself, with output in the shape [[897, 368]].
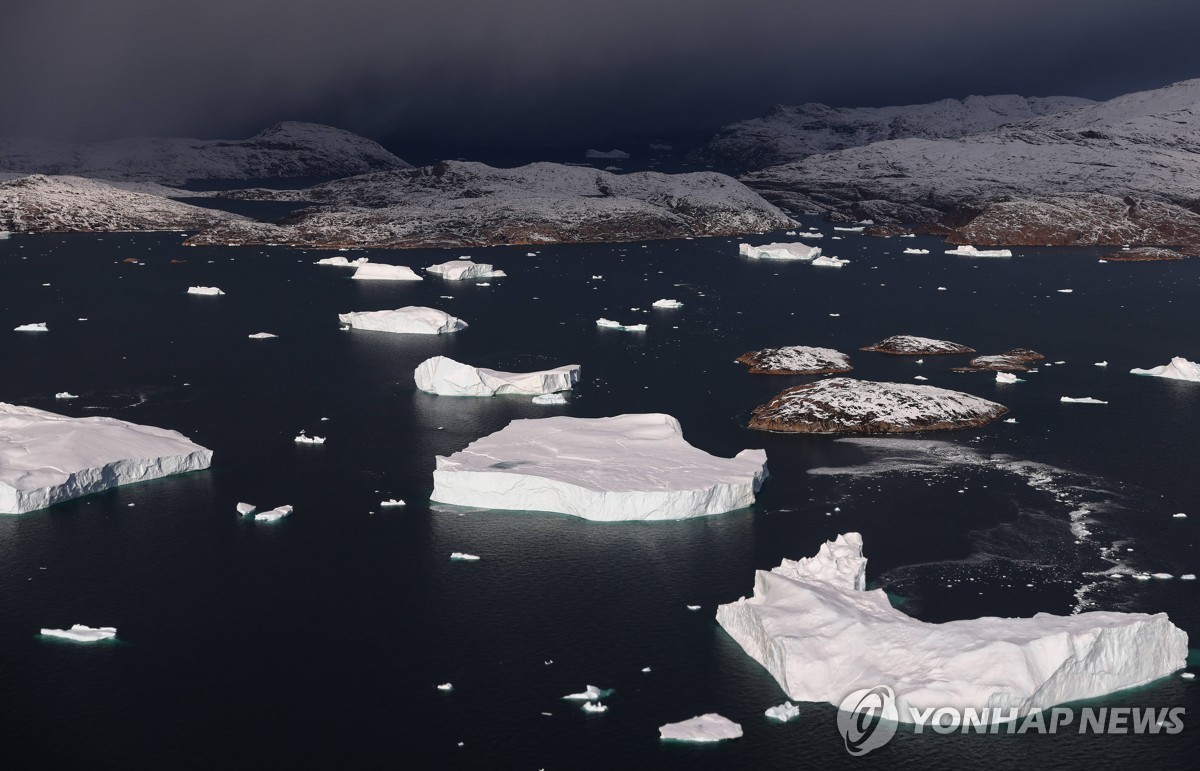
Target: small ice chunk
[[411, 319], [83, 633], [645, 669], [378, 271], [261, 336], [459, 556], [1010, 420], [1180, 515], [1188, 675], [274, 515], [341, 262], [392, 503], [550, 399], [245, 509], [610, 324], [783, 712], [305, 439], [970, 251], [1064, 291], [461, 270], [916, 251], [594, 706], [1162, 576], [65, 395], [693, 607], [667, 304], [703, 728], [210, 291], [829, 262], [1007, 377], [1101, 364], [919, 377], [445, 687], [1080, 400], [1188, 577], [36, 327], [590, 693]]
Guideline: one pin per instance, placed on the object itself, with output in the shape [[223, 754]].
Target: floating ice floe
[[378, 271], [1007, 377], [610, 324], [445, 687], [849, 230], [1064, 291], [594, 707], [273, 515], [916, 251], [210, 291], [82, 633], [1100, 364], [693, 607], [261, 336], [304, 438], [36, 327], [246, 509], [342, 262], [824, 261], [779, 251], [704, 728], [628, 467], [667, 304], [461, 270], [919, 377], [783, 712], [410, 320], [391, 503], [1180, 515], [1178, 368], [65, 395], [1080, 400], [822, 635], [1188, 577], [461, 556], [970, 251], [550, 399], [590, 693], [447, 377], [46, 458]]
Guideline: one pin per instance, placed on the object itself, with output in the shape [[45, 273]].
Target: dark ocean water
[[319, 639]]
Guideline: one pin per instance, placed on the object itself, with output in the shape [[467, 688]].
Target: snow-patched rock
[[814, 626], [411, 319], [1016, 360], [780, 251], [710, 727], [82, 633], [447, 377], [378, 271], [910, 345], [796, 360], [461, 270], [845, 405], [1178, 368], [47, 458], [460, 204], [628, 467]]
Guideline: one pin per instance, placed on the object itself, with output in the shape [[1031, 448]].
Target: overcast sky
[[474, 73]]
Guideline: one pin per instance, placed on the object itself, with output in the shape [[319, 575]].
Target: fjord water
[[320, 639]]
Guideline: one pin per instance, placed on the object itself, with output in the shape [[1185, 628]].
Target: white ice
[[970, 251], [304, 438], [916, 251], [779, 251], [667, 304], [1178, 368], [341, 262], [262, 336], [447, 377], [461, 270], [246, 509], [65, 395], [550, 399], [82, 633], [704, 728], [36, 327], [610, 324], [391, 503], [412, 320], [459, 556], [1080, 400], [210, 291], [783, 712], [378, 271], [273, 515], [824, 261]]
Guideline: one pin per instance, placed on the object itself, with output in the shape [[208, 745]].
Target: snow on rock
[[825, 261], [910, 345], [613, 155], [461, 270], [47, 458], [822, 635], [703, 728], [210, 291], [628, 467], [35, 327], [82, 633], [447, 377], [412, 320], [1151, 253], [969, 251], [550, 399], [1085, 219], [779, 251], [610, 324], [1080, 400], [378, 271], [796, 360], [342, 262], [1016, 360], [664, 303], [783, 712], [273, 515], [845, 405], [1178, 368]]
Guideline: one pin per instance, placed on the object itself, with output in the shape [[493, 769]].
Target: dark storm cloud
[[473, 72]]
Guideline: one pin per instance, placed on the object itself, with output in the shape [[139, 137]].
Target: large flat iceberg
[[1178, 368], [704, 728], [628, 467], [411, 320], [447, 377], [83, 633], [46, 458], [779, 251], [461, 270], [378, 271], [814, 626]]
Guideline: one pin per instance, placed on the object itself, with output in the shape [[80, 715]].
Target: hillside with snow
[[285, 150], [791, 132], [471, 204]]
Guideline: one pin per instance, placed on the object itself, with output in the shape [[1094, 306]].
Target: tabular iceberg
[[210, 291], [704, 728], [447, 377], [550, 399], [610, 324], [341, 262], [46, 458], [274, 515], [378, 271], [823, 261], [665, 303], [628, 467], [970, 251], [36, 327], [461, 270], [822, 635], [1178, 368], [779, 251], [82, 633], [411, 320]]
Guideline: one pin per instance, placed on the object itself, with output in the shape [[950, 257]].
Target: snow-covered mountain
[[38, 203], [790, 132], [1145, 145], [471, 204], [289, 149]]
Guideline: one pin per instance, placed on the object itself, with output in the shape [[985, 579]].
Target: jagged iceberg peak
[[813, 625], [1178, 368]]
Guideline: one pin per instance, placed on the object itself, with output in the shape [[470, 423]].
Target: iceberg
[[610, 324], [445, 687], [341, 262], [916, 251], [210, 291], [824, 261], [704, 728], [378, 271], [411, 320], [37, 327], [1104, 364], [550, 399], [1007, 377], [849, 230], [46, 458], [460, 556], [274, 515], [261, 336], [391, 503], [590, 693], [628, 467], [784, 712], [304, 438], [246, 509], [65, 395], [1080, 400], [461, 270], [667, 304], [447, 377], [779, 251], [81, 633], [594, 707], [822, 635], [970, 251], [1178, 368]]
